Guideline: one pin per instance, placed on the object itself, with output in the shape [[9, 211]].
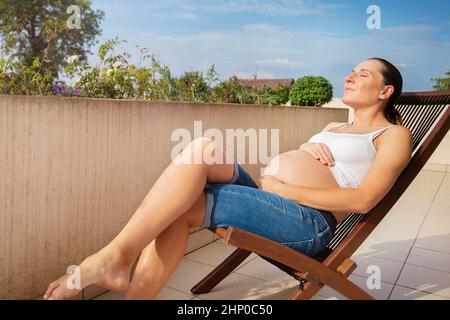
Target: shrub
[[272, 96], [230, 91], [16, 78], [311, 91]]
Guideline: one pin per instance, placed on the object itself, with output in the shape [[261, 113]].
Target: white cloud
[[279, 62], [261, 27], [404, 65], [410, 30], [177, 15]]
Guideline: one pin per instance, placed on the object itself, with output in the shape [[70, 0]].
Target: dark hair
[[391, 76]]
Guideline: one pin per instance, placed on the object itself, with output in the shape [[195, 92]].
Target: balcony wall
[[75, 170]]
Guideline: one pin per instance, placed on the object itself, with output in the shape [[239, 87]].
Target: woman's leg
[[172, 195], [160, 258]]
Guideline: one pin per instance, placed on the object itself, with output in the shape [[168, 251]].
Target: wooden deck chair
[[427, 116]]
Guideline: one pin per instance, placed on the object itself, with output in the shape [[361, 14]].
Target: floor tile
[[389, 270], [263, 270], [437, 222], [221, 241], [172, 294], [214, 254], [403, 293], [435, 167], [439, 244], [393, 238], [188, 274], [380, 247], [199, 239], [429, 259], [423, 279], [240, 287]]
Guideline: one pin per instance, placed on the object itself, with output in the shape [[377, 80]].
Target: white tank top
[[353, 154]]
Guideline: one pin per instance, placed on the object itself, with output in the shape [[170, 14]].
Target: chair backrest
[[427, 116]]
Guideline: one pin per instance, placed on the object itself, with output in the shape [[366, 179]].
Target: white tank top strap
[[379, 131]]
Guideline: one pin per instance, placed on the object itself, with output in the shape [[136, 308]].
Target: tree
[[44, 29], [277, 96], [311, 91], [192, 86], [442, 84]]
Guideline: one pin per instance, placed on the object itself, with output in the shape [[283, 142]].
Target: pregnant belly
[[300, 168]]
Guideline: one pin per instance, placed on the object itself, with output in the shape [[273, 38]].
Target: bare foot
[[102, 269]]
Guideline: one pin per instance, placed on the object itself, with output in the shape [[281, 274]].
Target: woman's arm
[[393, 155], [330, 199]]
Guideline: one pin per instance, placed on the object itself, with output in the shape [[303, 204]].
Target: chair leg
[[307, 293], [221, 271]]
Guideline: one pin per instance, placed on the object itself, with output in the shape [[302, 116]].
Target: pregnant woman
[[301, 196]]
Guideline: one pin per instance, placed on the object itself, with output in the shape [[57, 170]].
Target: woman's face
[[364, 86]]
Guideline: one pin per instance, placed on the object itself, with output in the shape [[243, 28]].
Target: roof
[[263, 83]]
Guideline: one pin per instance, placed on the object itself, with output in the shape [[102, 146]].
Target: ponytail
[[391, 76], [392, 114]]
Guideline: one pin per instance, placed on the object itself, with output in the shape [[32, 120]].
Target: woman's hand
[[319, 151], [271, 184]]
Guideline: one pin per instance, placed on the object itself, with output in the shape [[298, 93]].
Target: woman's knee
[[194, 152], [206, 152], [209, 152]]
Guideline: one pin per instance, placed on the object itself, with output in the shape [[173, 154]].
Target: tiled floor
[[411, 248]]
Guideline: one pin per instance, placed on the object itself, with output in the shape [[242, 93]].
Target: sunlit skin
[[158, 231]]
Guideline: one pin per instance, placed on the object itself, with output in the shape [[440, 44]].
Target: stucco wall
[[75, 170]]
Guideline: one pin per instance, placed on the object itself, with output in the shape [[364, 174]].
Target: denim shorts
[[239, 203]]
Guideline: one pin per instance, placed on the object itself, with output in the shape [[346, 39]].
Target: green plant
[[16, 78], [231, 91], [191, 86], [311, 91], [114, 77], [442, 84], [270, 96]]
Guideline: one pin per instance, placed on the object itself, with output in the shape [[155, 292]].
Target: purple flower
[[78, 91], [67, 91], [57, 88]]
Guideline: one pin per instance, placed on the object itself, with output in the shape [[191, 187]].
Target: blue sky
[[285, 38]]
